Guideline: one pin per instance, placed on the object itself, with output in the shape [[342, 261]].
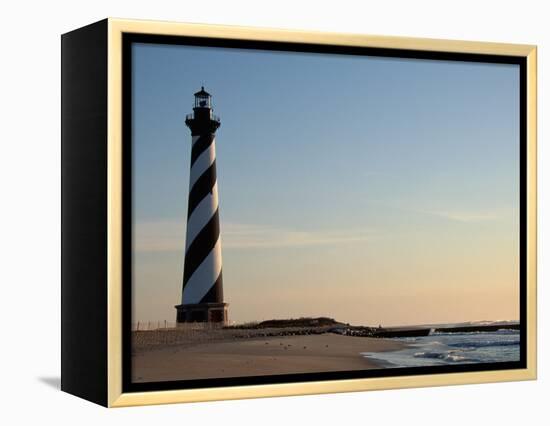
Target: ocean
[[452, 348]]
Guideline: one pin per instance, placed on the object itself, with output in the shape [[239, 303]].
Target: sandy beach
[[227, 356]]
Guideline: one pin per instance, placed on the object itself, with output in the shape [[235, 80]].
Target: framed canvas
[[256, 212]]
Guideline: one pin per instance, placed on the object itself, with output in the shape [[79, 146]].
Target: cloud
[[465, 216], [159, 236], [254, 236], [164, 236]]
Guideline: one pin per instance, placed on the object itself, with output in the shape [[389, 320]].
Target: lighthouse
[[202, 293]]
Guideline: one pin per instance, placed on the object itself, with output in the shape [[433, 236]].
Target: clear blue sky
[[331, 169]]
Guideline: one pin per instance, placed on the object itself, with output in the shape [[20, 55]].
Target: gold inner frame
[[116, 27]]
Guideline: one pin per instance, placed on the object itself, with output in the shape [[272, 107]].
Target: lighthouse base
[[203, 312]]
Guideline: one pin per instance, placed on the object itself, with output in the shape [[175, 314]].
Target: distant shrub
[[292, 322]]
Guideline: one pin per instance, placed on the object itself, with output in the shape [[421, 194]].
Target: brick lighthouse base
[[203, 312]]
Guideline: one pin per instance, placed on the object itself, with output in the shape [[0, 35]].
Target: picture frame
[[97, 206]]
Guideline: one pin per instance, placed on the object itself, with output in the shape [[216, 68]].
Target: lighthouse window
[[203, 101]]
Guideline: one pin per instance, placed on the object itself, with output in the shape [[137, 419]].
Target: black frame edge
[[84, 212]]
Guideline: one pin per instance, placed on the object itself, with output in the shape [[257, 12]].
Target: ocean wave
[[451, 356], [483, 344], [454, 349], [504, 323], [470, 333]]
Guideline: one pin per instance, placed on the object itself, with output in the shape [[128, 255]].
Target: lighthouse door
[[216, 315]]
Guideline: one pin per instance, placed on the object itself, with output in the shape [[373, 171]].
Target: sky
[[371, 190]]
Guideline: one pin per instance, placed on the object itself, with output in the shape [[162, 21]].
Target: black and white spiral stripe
[[202, 276]]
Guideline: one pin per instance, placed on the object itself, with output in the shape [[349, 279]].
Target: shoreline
[[296, 346], [257, 356]]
